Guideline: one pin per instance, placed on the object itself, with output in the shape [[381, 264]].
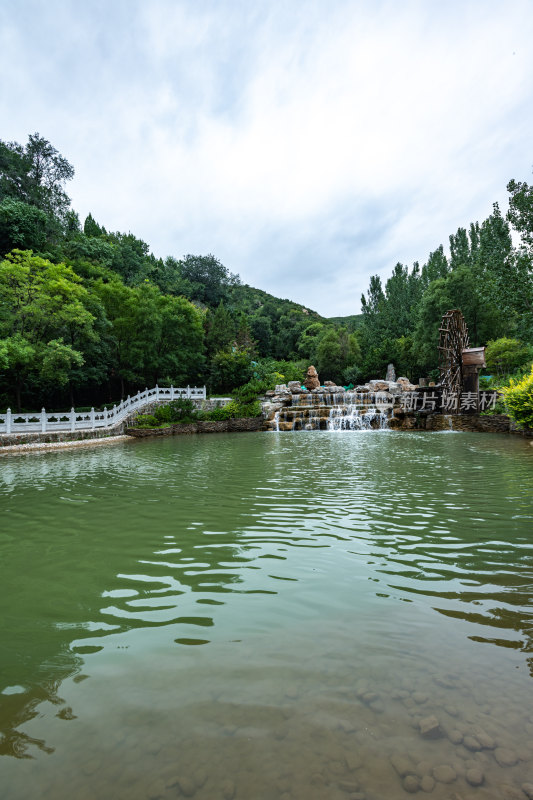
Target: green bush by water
[[519, 399], [183, 411]]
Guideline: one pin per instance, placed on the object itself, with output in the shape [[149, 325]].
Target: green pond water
[[268, 616]]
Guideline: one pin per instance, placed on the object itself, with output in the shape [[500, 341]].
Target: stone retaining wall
[[204, 426], [201, 405], [10, 439], [468, 423]]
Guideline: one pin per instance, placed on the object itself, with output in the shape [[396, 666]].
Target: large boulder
[[395, 388], [406, 385], [378, 386], [333, 389], [281, 388], [295, 387], [311, 379]]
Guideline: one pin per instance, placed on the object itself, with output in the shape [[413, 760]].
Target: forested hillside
[[88, 315]]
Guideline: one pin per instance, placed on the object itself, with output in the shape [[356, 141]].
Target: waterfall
[[334, 411], [353, 418]]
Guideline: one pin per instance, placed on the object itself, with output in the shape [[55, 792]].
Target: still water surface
[[268, 616]]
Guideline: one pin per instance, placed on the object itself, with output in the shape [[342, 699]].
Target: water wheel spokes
[[453, 339]]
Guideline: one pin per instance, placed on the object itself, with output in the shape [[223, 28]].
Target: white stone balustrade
[[45, 422]]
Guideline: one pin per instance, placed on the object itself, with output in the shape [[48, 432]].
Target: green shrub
[[507, 355], [251, 390], [235, 410], [163, 415], [218, 413], [519, 399], [499, 407], [181, 410], [146, 421]]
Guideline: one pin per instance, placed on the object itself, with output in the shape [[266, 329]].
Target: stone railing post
[[156, 392], [43, 420], [8, 420], [188, 390], [106, 414], [205, 393], [72, 420], [172, 393], [92, 418]]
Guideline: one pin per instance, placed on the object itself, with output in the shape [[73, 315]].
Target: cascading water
[[353, 418], [334, 411]]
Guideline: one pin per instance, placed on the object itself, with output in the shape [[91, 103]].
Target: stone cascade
[[325, 409], [312, 407]]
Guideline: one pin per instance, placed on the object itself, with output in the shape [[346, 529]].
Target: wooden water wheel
[[453, 340]]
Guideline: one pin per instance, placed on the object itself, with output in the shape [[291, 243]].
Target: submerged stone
[[402, 765], [455, 736], [444, 773], [504, 757], [430, 728], [474, 776], [411, 784], [471, 743]]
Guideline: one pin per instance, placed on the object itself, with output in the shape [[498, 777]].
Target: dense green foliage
[[485, 276], [184, 411], [504, 356], [88, 315], [518, 397]]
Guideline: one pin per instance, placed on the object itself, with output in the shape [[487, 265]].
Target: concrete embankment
[[32, 447]]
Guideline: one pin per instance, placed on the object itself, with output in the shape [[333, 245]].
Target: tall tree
[[520, 213], [220, 329], [41, 304], [460, 253], [435, 267], [35, 174], [208, 277]]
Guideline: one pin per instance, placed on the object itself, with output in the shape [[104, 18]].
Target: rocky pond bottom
[[328, 615]]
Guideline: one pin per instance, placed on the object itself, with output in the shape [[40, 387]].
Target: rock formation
[[391, 373], [311, 379]]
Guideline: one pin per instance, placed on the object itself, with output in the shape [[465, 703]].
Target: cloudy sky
[[306, 143]]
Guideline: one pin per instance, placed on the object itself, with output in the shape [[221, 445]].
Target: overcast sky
[[306, 144]]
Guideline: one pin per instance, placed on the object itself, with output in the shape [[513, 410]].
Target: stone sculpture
[[311, 379], [391, 373]]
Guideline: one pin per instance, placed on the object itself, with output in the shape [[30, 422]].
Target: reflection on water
[[264, 616]]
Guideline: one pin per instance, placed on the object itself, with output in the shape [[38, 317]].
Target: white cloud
[[307, 146]]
